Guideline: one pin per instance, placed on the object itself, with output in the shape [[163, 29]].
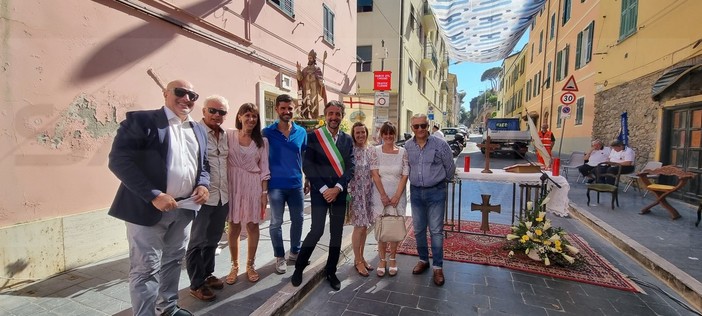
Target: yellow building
[[561, 41], [648, 55], [402, 37], [512, 85]]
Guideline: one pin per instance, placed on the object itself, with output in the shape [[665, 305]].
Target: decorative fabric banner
[[483, 31]]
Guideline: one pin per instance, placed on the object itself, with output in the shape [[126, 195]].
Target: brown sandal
[[368, 266], [361, 269], [251, 273], [233, 274]]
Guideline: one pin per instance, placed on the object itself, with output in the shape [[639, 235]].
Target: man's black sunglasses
[[213, 111], [181, 92], [422, 126]]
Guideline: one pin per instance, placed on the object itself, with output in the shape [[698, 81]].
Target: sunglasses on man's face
[[213, 111], [422, 126], [181, 92]]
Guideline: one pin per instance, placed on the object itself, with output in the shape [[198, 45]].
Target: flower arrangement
[[539, 240]]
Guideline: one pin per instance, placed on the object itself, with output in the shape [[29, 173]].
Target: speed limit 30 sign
[[567, 98]]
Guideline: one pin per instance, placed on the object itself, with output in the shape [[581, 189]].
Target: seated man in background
[[620, 156], [597, 154]]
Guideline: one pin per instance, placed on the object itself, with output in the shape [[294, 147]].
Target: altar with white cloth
[[527, 182]]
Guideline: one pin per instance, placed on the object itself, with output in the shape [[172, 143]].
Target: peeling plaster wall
[[71, 69]]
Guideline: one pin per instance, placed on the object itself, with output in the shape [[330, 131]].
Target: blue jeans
[[277, 199], [428, 206]]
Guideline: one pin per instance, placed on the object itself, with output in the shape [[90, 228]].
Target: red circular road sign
[[568, 98]]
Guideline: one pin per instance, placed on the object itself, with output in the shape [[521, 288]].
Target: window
[[537, 83], [547, 81], [562, 64], [413, 18], [630, 10], [558, 121], [579, 109], [566, 11], [328, 25], [364, 6], [410, 76], [364, 55], [420, 81], [583, 52], [553, 26], [287, 6], [531, 57], [541, 41], [528, 89]]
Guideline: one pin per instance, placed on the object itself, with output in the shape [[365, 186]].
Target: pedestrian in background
[[208, 225], [360, 189], [160, 157], [389, 166], [287, 142], [431, 168], [248, 187]]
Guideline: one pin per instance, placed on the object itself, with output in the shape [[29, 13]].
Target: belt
[[427, 187]]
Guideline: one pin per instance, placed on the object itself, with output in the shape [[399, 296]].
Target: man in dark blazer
[[160, 158], [328, 171]]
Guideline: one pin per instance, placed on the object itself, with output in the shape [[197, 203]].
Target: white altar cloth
[[558, 202]]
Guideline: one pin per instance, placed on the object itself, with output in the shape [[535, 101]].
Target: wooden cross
[[489, 147], [485, 208]]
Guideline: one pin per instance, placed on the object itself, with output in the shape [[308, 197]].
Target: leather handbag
[[390, 228]]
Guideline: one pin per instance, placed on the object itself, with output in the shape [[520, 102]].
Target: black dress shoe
[[334, 282], [177, 311], [296, 277]]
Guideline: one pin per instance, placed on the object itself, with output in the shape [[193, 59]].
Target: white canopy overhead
[[483, 30]]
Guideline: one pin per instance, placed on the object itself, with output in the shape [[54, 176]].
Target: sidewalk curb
[[286, 298], [683, 283]]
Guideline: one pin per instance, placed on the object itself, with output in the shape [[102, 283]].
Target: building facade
[[648, 55], [402, 37], [73, 68]]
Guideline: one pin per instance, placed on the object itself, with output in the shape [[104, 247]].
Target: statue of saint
[[310, 80]]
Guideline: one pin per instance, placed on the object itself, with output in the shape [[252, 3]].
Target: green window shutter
[[578, 48]]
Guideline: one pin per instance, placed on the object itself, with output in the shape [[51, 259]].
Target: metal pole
[[560, 143]]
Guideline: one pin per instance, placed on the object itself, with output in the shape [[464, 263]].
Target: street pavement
[[470, 289]]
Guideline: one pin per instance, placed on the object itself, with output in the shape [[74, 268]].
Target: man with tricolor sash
[[328, 165]]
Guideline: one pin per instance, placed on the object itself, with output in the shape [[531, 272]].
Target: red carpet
[[489, 250]]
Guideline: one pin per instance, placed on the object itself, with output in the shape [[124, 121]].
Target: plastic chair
[[603, 186], [576, 159], [632, 178]]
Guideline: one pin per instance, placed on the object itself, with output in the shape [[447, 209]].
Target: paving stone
[[547, 302], [373, 307], [515, 306], [405, 300], [406, 311]]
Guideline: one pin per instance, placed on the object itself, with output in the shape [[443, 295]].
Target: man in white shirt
[[620, 156], [436, 132], [597, 154]]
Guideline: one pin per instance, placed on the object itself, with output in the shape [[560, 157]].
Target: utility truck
[[506, 133]]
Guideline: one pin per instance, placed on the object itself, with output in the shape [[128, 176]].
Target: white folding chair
[[633, 177], [577, 159]]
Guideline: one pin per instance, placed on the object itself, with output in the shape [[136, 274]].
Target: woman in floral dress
[[247, 168], [389, 167], [360, 190]]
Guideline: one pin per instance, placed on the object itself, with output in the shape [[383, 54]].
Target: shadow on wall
[[136, 44], [13, 269]]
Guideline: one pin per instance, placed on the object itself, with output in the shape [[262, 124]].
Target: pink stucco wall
[[70, 69]]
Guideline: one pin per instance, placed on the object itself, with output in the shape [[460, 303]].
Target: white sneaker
[[291, 256], [281, 266]]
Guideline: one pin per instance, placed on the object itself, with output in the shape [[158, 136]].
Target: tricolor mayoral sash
[[330, 150]]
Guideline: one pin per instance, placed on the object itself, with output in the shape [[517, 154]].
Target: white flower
[[572, 250], [547, 225], [528, 225], [568, 258], [545, 201], [546, 262], [529, 206], [511, 254], [512, 236], [542, 214], [554, 238]]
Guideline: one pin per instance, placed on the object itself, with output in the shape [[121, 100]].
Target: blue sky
[[469, 73]]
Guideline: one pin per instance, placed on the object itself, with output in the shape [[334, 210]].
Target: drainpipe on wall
[[400, 135], [553, 85]]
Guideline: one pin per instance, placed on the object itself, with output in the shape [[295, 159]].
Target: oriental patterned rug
[[489, 250]]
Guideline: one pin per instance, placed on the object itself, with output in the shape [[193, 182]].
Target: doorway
[[682, 147]]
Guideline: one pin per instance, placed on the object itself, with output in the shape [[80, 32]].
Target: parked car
[[450, 133]]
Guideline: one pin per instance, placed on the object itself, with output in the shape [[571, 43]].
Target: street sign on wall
[[382, 99], [382, 80], [568, 98]]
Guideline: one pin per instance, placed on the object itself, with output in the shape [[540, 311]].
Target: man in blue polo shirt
[[287, 143]]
